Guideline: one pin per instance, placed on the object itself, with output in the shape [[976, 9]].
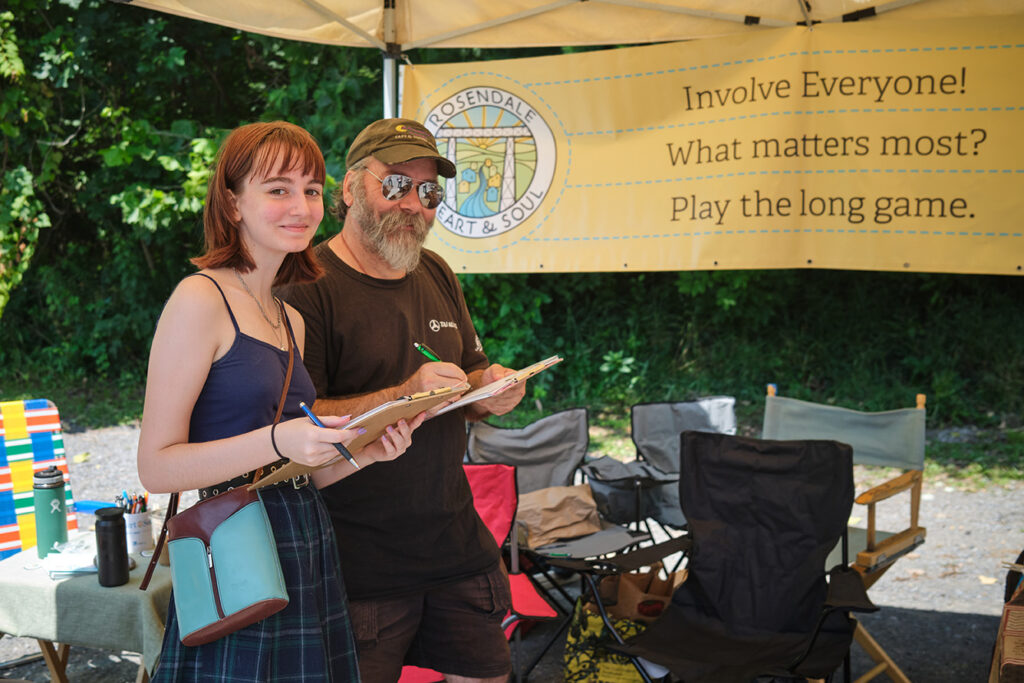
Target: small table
[[78, 611]]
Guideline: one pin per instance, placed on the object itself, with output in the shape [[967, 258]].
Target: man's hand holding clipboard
[[510, 383], [499, 389]]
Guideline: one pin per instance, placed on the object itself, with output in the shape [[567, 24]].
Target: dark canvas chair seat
[[763, 516], [611, 539], [621, 490]]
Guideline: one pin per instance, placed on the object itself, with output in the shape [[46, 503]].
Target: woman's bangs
[[283, 153]]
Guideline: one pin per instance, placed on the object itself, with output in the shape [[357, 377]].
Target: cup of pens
[[138, 523]]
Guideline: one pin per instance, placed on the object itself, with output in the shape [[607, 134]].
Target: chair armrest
[[627, 561], [878, 556], [890, 488], [909, 480]]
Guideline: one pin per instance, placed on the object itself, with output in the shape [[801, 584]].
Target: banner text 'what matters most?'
[[872, 145]]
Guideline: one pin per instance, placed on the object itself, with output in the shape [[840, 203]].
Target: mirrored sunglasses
[[395, 186]]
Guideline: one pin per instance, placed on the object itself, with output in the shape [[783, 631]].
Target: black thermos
[[111, 547]]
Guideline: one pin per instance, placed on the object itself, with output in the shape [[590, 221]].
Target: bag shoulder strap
[[291, 363], [172, 509], [172, 502]]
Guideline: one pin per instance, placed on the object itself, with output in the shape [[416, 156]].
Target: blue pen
[[341, 449]]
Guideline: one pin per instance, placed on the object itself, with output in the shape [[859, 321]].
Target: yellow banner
[[871, 146]]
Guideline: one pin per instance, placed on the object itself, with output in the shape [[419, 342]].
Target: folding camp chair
[[893, 439], [646, 487], [495, 498], [32, 441], [762, 517], [548, 453]]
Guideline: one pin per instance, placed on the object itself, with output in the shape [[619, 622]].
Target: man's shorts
[[454, 628]]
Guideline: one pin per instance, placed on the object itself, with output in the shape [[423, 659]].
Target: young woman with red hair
[[216, 373]]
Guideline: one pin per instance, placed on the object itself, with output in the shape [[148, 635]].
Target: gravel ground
[[940, 606]]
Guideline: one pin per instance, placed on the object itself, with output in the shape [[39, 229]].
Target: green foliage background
[[111, 114]]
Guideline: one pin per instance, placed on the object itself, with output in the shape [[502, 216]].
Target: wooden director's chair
[[890, 439]]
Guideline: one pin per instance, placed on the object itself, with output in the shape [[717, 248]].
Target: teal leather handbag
[[224, 566]]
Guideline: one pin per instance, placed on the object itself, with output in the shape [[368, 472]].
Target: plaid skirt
[[310, 639]]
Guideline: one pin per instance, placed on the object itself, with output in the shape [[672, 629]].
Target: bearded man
[[425, 579]]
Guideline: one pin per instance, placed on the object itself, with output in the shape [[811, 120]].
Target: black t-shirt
[[410, 523]]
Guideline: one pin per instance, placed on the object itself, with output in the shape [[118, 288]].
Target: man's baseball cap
[[395, 141]]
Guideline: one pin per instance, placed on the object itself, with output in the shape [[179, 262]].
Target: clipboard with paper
[[375, 421], [500, 385]]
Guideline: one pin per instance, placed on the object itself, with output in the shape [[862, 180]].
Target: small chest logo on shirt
[[436, 325]]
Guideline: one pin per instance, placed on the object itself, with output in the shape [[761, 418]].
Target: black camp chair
[[646, 488], [762, 518]]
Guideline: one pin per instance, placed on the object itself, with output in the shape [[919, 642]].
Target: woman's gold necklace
[[275, 327]]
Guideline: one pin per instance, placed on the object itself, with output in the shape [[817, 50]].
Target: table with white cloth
[[77, 611]]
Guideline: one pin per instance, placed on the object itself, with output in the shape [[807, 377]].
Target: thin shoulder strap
[[287, 373], [223, 296], [287, 321], [172, 509]]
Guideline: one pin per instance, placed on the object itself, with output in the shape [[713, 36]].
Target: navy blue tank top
[[244, 385]]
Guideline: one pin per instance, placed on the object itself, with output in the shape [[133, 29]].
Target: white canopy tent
[[396, 26]]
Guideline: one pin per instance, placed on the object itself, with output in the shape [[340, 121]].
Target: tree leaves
[[111, 117], [22, 216], [11, 66]]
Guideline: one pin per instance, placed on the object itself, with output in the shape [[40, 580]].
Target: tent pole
[[391, 54], [390, 86]]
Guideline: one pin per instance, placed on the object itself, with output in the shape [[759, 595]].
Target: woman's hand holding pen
[[306, 443], [303, 442]]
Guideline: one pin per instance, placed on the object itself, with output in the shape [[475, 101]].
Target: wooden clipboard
[[500, 385], [375, 421]]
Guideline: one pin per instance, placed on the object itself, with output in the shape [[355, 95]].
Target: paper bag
[[557, 512], [640, 596]]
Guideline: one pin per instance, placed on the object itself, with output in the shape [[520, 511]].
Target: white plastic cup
[[139, 532]]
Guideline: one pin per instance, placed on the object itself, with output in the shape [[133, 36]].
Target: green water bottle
[[51, 509]]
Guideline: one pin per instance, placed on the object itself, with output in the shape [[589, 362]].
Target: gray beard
[[384, 234]]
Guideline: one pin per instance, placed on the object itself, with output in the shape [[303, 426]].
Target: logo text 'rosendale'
[[504, 155]]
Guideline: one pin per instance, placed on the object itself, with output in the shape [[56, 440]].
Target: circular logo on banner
[[504, 156]]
